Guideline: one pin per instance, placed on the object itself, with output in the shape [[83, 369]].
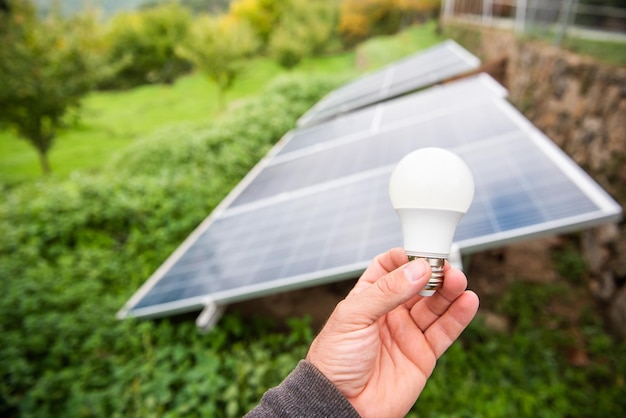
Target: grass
[[384, 49], [110, 121], [609, 52], [612, 52]]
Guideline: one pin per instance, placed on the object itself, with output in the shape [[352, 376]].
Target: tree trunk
[[45, 164]]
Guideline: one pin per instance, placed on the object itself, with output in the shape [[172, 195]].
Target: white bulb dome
[[430, 189], [432, 178]]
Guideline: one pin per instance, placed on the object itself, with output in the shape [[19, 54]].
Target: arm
[[306, 392]]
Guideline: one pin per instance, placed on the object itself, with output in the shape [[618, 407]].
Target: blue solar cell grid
[[316, 209], [324, 213], [423, 69]]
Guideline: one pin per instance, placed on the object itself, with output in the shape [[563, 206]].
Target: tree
[[261, 15], [304, 29], [141, 46], [219, 48], [45, 70], [363, 18]]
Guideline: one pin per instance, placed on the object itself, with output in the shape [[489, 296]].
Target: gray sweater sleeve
[[306, 392]]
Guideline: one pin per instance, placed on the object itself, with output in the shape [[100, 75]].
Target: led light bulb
[[430, 189]]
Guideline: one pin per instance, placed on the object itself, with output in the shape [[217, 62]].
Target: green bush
[[229, 148], [304, 29], [140, 46], [73, 252], [526, 371]]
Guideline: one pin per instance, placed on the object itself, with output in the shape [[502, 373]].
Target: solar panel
[[425, 68], [376, 138], [320, 212]]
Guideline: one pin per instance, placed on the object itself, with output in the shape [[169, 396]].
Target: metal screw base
[[436, 278]]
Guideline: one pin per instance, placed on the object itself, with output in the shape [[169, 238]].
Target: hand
[[383, 340]]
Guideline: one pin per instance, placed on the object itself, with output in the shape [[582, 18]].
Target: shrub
[[526, 371], [360, 19], [261, 15], [141, 46], [304, 29], [72, 252]]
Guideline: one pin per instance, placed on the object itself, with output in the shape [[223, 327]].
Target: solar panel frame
[[446, 59], [608, 211]]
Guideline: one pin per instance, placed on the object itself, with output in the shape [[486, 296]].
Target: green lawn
[[613, 53], [112, 120], [382, 50]]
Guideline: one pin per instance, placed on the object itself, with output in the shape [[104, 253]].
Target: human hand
[[382, 342]]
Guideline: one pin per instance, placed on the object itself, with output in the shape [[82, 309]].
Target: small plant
[[570, 263], [527, 371]]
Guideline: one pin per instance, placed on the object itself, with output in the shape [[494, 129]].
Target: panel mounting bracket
[[209, 316]]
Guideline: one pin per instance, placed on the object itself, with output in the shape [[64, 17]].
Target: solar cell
[[386, 146], [420, 70], [402, 111], [321, 212]]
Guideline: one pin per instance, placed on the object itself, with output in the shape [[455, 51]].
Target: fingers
[[381, 265], [392, 259], [445, 330], [393, 289], [384, 263], [429, 309]]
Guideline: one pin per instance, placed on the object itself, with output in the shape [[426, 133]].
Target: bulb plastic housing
[[430, 189]]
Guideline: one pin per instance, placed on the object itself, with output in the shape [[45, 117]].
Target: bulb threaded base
[[436, 279]]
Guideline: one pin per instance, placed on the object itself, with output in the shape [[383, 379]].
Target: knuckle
[[388, 286]]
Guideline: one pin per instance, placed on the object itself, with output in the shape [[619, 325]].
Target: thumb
[[388, 292]]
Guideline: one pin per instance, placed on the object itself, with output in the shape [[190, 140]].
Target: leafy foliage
[[526, 371], [72, 252], [361, 19], [261, 15], [304, 29], [219, 48], [570, 264], [45, 70], [140, 46]]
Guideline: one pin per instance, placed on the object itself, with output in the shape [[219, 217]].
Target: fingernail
[[415, 270]]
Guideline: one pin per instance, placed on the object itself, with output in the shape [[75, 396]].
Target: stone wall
[[581, 105]]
